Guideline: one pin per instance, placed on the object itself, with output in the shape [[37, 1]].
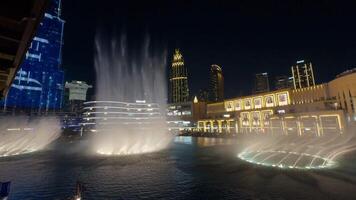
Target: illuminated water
[[296, 152], [22, 135], [129, 83], [191, 168]]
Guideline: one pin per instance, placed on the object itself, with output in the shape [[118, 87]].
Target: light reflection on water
[[203, 141], [192, 168]]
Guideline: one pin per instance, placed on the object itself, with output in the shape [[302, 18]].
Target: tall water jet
[[129, 111], [22, 135]]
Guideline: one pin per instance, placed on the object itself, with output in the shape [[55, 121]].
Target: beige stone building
[[319, 109], [343, 89]]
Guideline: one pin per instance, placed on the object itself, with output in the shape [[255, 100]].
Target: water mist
[[297, 152], [22, 135], [129, 110]]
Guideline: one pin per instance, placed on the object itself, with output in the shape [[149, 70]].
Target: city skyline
[[270, 39], [177, 99]]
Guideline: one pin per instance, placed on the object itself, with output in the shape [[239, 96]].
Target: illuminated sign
[[247, 104], [245, 119], [229, 105], [282, 99], [238, 105], [269, 101], [226, 115], [266, 116], [257, 102], [255, 118], [281, 111]]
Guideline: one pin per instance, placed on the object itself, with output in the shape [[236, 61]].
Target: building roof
[[347, 72], [259, 94]]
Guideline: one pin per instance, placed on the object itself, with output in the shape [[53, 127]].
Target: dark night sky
[[241, 36]]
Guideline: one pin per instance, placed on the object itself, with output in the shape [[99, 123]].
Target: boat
[[4, 190]]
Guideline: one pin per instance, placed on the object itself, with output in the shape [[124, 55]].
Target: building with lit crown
[[303, 75], [38, 85], [178, 80], [216, 83]]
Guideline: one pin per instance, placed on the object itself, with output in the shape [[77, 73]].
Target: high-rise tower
[[179, 90], [283, 82], [216, 83], [38, 85], [261, 83], [303, 75]]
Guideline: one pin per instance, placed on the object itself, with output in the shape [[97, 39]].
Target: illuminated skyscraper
[[261, 83], [38, 85], [179, 90], [303, 75], [283, 82], [216, 83]]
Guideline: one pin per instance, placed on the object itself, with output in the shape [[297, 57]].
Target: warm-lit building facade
[[178, 80], [343, 90], [316, 110], [303, 75], [216, 83], [183, 116]]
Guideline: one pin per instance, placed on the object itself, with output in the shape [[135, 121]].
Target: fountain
[[129, 111], [23, 135], [297, 152]]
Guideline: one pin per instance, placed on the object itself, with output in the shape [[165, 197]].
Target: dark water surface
[[191, 168]]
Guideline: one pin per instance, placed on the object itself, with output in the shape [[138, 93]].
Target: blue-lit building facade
[[38, 85]]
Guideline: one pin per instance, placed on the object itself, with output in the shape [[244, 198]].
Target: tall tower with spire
[[39, 83], [178, 80]]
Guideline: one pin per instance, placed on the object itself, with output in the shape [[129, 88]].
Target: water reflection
[[183, 139], [186, 170], [204, 141]]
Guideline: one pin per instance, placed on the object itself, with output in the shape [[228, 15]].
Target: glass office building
[[38, 85]]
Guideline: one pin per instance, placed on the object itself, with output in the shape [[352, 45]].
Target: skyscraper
[[216, 83], [203, 95], [38, 85], [18, 25], [179, 90], [261, 83], [303, 75], [283, 82]]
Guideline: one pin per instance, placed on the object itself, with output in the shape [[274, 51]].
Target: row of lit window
[[258, 102], [177, 64], [308, 88]]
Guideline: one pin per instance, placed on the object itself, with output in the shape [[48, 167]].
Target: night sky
[[241, 36]]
